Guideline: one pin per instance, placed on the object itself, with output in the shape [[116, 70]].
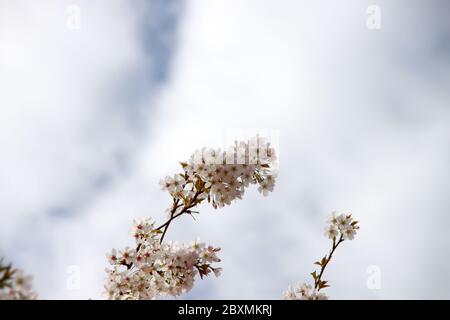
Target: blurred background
[[101, 99]]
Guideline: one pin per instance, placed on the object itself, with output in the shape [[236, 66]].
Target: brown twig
[[318, 279]]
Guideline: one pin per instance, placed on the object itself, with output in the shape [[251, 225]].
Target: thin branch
[[185, 209], [317, 280]]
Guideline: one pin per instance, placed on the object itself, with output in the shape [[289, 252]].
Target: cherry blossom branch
[[155, 268], [14, 285], [173, 216], [167, 223], [318, 283], [340, 228]]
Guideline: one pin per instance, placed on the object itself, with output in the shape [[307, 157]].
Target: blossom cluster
[[304, 292], [340, 227], [221, 176], [14, 284], [155, 269]]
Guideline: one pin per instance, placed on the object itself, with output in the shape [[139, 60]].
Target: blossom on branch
[[304, 292], [340, 228], [222, 176], [157, 269], [14, 284], [153, 268]]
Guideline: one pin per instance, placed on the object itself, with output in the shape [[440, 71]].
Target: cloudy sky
[[100, 99]]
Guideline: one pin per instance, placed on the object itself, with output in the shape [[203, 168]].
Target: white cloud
[[63, 134]]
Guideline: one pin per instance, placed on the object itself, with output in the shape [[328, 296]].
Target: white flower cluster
[[304, 292], [154, 269], [15, 285], [222, 176], [341, 226]]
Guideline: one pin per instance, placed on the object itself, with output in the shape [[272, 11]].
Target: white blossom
[[156, 269], [127, 255], [343, 222], [112, 257], [167, 184], [224, 175], [290, 294], [173, 184], [14, 284], [331, 231], [304, 292], [342, 225], [348, 233]]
